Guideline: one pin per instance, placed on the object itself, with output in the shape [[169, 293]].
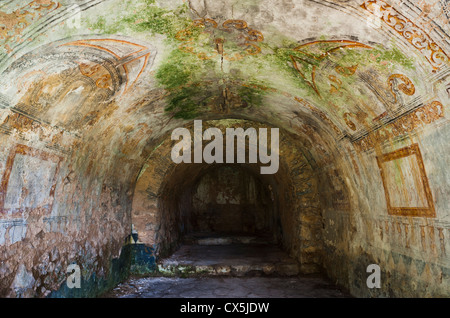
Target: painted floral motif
[[13, 24], [410, 31], [407, 124]]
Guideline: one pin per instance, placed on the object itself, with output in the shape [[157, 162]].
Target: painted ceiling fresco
[[90, 91], [305, 64]]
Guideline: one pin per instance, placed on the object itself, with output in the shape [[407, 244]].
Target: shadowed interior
[[91, 91]]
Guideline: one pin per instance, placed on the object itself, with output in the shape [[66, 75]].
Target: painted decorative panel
[[29, 180], [405, 183]]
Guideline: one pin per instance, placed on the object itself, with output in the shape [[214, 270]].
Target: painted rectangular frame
[[26, 151], [408, 211]]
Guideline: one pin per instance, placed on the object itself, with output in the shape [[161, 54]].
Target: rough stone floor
[[227, 287], [228, 267]]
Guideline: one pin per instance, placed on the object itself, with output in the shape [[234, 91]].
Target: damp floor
[[224, 266], [227, 287]]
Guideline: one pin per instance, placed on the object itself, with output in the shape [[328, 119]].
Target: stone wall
[[89, 94], [166, 198], [54, 214], [396, 219], [228, 200]]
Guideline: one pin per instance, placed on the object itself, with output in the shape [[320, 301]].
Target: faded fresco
[[90, 93]]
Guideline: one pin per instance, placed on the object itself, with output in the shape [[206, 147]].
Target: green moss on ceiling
[[194, 81], [181, 68], [383, 59], [251, 95], [186, 101], [148, 17]]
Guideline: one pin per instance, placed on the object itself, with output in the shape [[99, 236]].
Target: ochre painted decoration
[[346, 71], [336, 86], [349, 123], [418, 38], [13, 24], [98, 73], [103, 81], [19, 122], [407, 87], [133, 57], [233, 40], [318, 113], [380, 117], [89, 70], [51, 161], [407, 124], [304, 103], [312, 53], [405, 183]]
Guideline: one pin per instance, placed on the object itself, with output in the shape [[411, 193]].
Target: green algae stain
[[158, 20], [148, 17], [193, 83], [183, 104], [176, 71], [102, 25], [380, 58], [278, 63], [182, 75], [250, 95]]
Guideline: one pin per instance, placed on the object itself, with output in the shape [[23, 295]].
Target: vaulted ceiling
[[127, 72], [90, 91]]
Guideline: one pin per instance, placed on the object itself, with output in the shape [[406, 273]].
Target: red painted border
[[26, 151], [412, 150]]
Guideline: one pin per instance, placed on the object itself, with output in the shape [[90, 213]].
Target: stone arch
[[296, 192]]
